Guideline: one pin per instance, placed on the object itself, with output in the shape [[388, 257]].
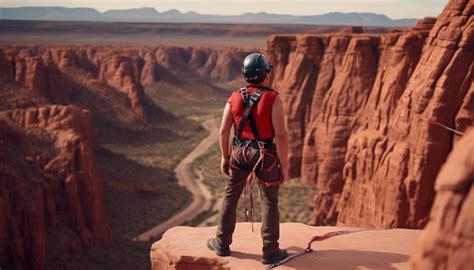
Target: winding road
[[187, 179]]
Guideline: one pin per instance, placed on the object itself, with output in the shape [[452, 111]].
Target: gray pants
[[242, 162]]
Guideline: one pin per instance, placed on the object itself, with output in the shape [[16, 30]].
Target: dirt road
[[187, 179]]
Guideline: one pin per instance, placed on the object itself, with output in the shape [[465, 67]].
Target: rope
[[322, 237], [248, 196], [249, 212], [457, 132]]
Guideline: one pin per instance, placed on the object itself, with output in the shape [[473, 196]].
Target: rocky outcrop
[[220, 64], [56, 72], [361, 109], [409, 148], [313, 72], [39, 75], [122, 73], [50, 187], [386, 249], [448, 241]]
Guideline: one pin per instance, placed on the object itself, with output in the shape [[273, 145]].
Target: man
[[256, 112]]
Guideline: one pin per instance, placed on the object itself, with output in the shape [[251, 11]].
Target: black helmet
[[255, 68]]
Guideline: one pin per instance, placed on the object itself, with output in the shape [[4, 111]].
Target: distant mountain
[[175, 16], [130, 14]]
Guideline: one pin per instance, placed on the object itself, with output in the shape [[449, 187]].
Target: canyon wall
[[51, 196], [360, 109], [50, 71], [51, 193], [448, 240]]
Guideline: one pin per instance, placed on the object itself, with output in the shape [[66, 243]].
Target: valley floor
[[140, 183]]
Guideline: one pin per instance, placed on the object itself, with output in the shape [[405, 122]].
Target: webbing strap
[[249, 102], [322, 237], [253, 126]]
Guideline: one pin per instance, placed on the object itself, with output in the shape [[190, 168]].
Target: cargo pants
[[242, 161]]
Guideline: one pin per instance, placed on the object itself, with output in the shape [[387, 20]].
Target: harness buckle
[[255, 97], [245, 95], [261, 144]]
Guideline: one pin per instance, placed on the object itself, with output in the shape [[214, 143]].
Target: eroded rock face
[[39, 75], [360, 109], [448, 240], [314, 72], [50, 186], [56, 72], [399, 191]]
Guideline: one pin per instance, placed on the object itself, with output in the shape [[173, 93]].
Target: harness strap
[[253, 126], [249, 102]]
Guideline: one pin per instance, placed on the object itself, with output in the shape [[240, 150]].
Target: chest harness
[[266, 148]]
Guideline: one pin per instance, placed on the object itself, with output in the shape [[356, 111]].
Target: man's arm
[[224, 133], [281, 135]]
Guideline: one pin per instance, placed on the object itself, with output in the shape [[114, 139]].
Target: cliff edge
[[185, 248]]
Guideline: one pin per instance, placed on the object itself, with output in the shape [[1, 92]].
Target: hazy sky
[[393, 8]]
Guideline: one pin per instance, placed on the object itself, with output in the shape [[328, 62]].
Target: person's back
[[261, 113], [256, 112]]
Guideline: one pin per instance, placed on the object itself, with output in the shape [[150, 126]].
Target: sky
[[395, 9]]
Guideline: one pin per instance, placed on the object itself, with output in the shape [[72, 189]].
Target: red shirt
[[262, 113]]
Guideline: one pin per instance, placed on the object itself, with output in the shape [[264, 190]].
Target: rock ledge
[[185, 248]]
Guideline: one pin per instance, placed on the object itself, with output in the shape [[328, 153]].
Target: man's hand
[[284, 174], [225, 166], [224, 133]]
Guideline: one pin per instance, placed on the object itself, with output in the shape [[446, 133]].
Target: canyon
[[59, 73], [369, 117], [365, 112], [58, 104]]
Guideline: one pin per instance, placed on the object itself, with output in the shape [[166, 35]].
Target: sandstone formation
[[360, 111], [50, 187], [57, 72], [51, 196], [448, 240], [409, 149], [386, 249]]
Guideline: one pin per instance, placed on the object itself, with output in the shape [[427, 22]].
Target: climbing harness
[[322, 237], [266, 148]]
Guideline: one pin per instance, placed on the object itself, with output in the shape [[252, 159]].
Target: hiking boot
[[275, 258], [220, 251]]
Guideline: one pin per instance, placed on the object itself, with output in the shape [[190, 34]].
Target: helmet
[[255, 68]]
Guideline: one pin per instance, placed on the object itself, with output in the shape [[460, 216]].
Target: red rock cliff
[[357, 108], [448, 240], [55, 71], [50, 187]]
